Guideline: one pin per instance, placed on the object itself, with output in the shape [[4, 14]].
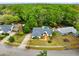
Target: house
[[41, 31], [66, 30], [6, 28]]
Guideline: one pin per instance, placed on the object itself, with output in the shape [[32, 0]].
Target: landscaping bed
[[15, 40], [3, 36]]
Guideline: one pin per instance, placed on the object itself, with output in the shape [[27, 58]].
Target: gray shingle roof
[[5, 28], [49, 31], [39, 31], [66, 30]]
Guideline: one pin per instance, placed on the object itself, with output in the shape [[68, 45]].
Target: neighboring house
[[6, 28], [41, 31], [66, 30]]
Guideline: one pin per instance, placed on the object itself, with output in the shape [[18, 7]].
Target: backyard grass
[[73, 42]]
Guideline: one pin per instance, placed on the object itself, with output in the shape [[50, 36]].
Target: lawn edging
[[45, 47]]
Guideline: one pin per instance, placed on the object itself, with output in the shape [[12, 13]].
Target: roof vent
[[45, 27]]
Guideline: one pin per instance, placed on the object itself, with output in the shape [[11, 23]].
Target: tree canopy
[[33, 15]]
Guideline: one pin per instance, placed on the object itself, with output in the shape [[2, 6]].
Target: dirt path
[[24, 42]]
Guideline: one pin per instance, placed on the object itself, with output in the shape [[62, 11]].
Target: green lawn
[[18, 39], [55, 41], [47, 46], [43, 43]]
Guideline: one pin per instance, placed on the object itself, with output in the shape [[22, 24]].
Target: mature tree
[[8, 19], [40, 14], [77, 26], [30, 24], [26, 28]]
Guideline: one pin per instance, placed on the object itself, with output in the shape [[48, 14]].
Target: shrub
[[11, 39], [35, 37], [5, 34], [49, 41], [55, 33], [1, 37], [20, 33], [77, 26], [26, 29]]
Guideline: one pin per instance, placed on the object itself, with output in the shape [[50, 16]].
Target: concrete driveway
[[24, 42]]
